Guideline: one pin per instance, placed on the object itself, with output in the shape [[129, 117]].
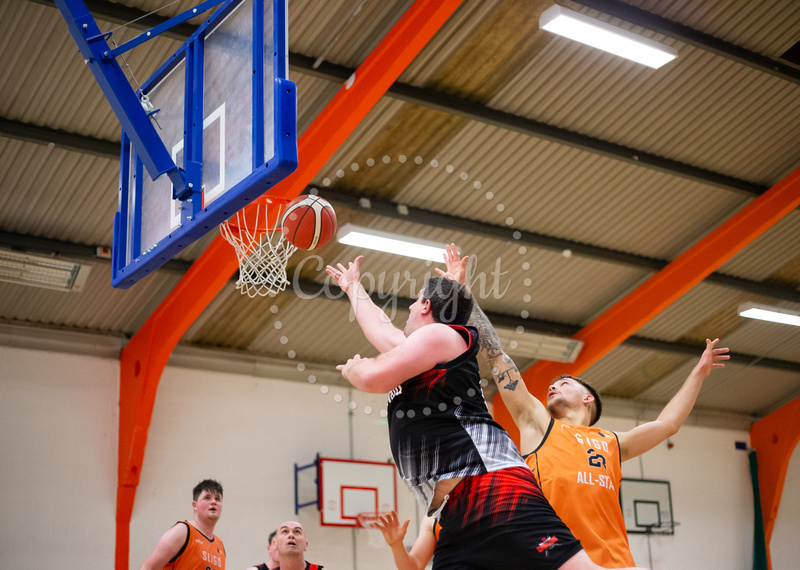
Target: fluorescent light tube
[[42, 271], [538, 345], [604, 36], [386, 242], [769, 313]]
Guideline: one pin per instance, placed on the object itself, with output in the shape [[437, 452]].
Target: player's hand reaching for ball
[[389, 525], [456, 267], [346, 277], [711, 357]]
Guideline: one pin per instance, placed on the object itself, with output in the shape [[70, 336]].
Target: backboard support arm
[[161, 28], [124, 102]]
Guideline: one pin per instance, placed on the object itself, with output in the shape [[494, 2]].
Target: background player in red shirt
[[290, 546]]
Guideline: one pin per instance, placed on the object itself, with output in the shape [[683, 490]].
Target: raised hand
[[346, 277], [712, 356], [456, 267], [389, 525]]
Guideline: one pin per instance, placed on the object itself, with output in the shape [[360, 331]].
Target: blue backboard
[[227, 116]]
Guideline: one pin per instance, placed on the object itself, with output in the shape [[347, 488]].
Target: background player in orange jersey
[[190, 545], [577, 466]]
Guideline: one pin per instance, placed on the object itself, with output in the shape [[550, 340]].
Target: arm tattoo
[[488, 341], [503, 368], [505, 371]]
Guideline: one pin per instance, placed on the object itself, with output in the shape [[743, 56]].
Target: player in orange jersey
[[579, 467], [193, 545]]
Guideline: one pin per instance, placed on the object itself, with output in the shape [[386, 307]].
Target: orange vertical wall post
[[774, 438]]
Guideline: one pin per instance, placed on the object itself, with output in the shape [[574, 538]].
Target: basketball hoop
[[256, 236], [368, 521]]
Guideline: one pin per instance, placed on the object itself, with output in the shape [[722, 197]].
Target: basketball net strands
[[262, 250], [368, 522]]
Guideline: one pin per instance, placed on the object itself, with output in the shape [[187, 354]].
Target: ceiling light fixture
[[769, 313], [42, 271], [604, 36], [386, 242], [526, 344]]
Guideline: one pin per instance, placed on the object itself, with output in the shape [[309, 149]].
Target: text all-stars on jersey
[[579, 469]]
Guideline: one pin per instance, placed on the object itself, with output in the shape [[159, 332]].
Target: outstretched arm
[[394, 533], [646, 436], [377, 326], [528, 412]]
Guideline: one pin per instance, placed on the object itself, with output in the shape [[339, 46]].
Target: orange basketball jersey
[[199, 552], [579, 470]]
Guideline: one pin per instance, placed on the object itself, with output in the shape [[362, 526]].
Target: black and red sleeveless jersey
[[440, 428]]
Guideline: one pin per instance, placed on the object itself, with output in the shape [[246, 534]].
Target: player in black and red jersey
[[459, 463]]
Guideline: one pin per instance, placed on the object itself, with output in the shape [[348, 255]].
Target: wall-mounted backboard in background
[[348, 488], [646, 506]]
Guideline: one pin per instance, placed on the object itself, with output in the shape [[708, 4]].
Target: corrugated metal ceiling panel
[[766, 257], [771, 340], [62, 194], [604, 373], [737, 388], [97, 308], [743, 26], [705, 310], [316, 26], [70, 99], [540, 185], [596, 94]]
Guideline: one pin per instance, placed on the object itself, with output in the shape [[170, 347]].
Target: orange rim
[[260, 216]]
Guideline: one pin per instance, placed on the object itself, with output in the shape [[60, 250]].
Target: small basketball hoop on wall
[[261, 249], [369, 522]]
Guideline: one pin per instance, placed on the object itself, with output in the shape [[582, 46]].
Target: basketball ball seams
[[309, 222]]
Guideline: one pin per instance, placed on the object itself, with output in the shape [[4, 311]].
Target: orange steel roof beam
[[143, 359], [653, 296], [662, 289]]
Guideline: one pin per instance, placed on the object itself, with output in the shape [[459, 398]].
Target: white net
[[367, 521], [262, 250]]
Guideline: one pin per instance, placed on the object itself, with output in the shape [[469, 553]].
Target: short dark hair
[[210, 485], [451, 302], [272, 536], [598, 403]]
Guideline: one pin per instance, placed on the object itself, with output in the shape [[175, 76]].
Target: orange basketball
[[309, 222]]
